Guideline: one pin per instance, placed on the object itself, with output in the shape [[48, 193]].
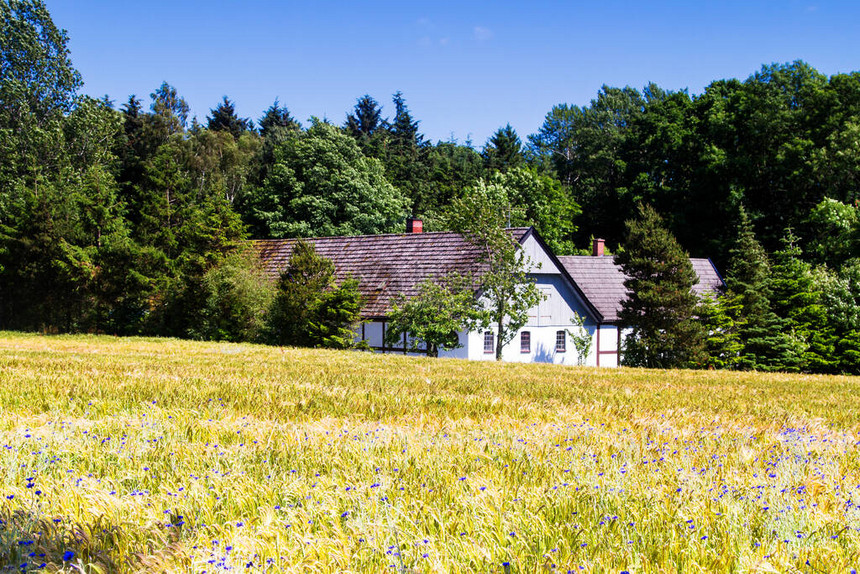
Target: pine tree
[[766, 344], [224, 118], [661, 306], [365, 120], [276, 118], [504, 150], [796, 299]]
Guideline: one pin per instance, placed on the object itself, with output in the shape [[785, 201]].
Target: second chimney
[[597, 248], [414, 225]]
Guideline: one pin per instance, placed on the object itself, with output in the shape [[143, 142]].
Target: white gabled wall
[[553, 315], [540, 259]]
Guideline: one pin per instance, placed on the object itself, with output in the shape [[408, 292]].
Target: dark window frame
[[489, 342], [560, 341], [525, 342]]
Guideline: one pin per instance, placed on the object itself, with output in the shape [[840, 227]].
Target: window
[[560, 341], [489, 342], [525, 342]]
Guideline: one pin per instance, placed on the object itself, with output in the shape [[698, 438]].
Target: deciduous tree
[[507, 291], [442, 308]]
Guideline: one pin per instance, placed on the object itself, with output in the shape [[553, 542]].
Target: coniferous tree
[[277, 117], [766, 344], [406, 155], [224, 118], [661, 307], [504, 150], [404, 129], [796, 299], [310, 309], [365, 120]]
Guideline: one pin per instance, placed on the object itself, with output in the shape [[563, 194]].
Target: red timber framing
[[617, 346]]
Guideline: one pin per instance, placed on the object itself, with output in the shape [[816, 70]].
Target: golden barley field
[[148, 455]]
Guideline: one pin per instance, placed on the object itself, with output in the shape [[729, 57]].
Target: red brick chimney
[[414, 225], [597, 248]]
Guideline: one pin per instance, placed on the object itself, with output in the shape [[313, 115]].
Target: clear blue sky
[[465, 68]]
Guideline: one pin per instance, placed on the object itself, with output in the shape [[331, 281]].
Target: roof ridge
[[401, 234]]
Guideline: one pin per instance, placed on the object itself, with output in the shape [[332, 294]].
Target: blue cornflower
[[68, 555]]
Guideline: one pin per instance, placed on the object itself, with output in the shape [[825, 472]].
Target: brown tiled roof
[[385, 265], [602, 281]]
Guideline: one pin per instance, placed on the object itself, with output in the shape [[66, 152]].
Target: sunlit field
[[140, 455]]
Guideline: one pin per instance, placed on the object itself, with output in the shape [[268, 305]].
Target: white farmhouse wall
[[540, 260], [553, 315], [606, 344]]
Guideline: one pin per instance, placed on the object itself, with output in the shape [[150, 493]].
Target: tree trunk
[[501, 311]]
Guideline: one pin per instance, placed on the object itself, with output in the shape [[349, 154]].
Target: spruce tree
[[660, 308], [277, 117], [504, 150], [796, 299], [366, 119], [406, 164], [224, 118], [766, 345], [404, 129]]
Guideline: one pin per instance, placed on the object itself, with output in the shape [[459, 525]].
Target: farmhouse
[[392, 264]]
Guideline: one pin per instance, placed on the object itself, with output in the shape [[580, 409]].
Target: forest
[[130, 218]]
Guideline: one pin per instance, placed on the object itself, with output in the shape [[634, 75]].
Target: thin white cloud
[[482, 34]]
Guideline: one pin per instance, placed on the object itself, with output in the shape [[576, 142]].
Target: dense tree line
[[126, 219]]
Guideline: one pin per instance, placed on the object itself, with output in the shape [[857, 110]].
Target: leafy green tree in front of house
[[310, 309], [507, 291], [442, 308], [661, 307], [582, 338]]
